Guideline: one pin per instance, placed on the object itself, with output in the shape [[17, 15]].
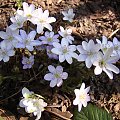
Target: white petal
[[109, 73], [39, 28], [59, 83], [68, 58], [6, 58], [85, 45], [112, 68], [56, 51], [30, 48], [64, 43], [61, 58], [87, 89], [81, 50], [48, 26], [97, 70], [104, 40], [82, 87], [88, 62], [51, 19], [74, 55], [72, 47], [79, 107]]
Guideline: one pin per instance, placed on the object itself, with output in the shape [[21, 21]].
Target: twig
[[114, 33]]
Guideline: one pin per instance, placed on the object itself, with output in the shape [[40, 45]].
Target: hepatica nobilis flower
[[42, 20], [88, 52], [82, 96], [49, 38], [27, 40], [32, 103], [6, 51], [55, 76], [65, 51], [68, 15], [104, 62], [66, 34], [28, 62], [8, 36]]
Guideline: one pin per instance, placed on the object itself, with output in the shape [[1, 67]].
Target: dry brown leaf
[[65, 115], [6, 115]]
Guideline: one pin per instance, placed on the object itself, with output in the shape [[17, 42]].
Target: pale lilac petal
[[72, 47], [85, 45], [56, 51], [49, 77], [87, 89], [82, 57], [53, 83], [56, 45], [74, 55], [64, 75], [31, 35], [59, 69], [30, 48], [23, 34], [51, 69]]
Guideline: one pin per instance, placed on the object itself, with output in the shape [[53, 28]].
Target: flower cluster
[[58, 45], [32, 103]]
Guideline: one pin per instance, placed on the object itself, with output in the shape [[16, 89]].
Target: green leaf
[[92, 112]]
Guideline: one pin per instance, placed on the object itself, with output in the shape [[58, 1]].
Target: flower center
[[65, 50], [57, 75], [82, 97], [10, 38], [49, 39], [102, 63], [42, 21]]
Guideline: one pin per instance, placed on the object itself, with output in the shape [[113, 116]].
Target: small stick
[[114, 33]]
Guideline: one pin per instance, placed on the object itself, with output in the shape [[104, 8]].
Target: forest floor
[[93, 19]]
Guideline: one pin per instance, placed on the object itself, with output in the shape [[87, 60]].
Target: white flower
[[28, 62], [82, 96], [55, 76], [68, 15], [27, 10], [66, 34], [27, 41], [88, 52], [105, 62], [32, 103], [17, 21], [65, 51], [42, 19], [49, 38], [104, 44], [8, 36], [116, 47], [6, 51]]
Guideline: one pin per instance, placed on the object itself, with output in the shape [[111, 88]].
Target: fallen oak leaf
[[64, 115]]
